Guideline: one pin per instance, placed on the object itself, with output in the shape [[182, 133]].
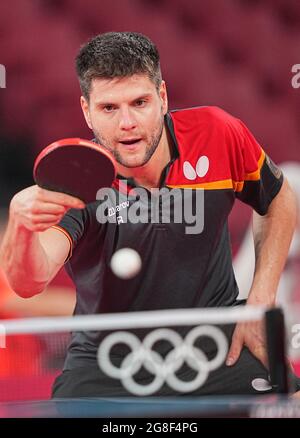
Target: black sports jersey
[[213, 151]]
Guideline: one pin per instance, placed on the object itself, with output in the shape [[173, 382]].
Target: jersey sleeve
[[258, 178], [72, 225]]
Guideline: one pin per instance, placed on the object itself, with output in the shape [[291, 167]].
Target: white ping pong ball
[[126, 263]]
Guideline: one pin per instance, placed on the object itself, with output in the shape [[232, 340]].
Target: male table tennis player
[[124, 102]]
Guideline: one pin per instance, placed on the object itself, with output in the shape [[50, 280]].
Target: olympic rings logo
[[163, 369]]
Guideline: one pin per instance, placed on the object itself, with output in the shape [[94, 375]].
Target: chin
[[133, 161]]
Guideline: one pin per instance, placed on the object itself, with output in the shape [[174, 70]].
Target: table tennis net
[[33, 350]]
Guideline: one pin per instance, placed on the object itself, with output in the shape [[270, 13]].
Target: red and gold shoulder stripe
[[236, 186]]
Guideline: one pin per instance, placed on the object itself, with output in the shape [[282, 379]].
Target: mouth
[[130, 144], [130, 141]]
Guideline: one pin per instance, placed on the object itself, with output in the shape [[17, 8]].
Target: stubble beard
[[150, 148]]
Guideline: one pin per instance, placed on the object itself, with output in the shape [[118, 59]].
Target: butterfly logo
[[201, 169]]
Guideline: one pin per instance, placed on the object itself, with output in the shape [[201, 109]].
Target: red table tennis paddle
[[75, 166]]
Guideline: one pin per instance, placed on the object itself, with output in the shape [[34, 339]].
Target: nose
[[127, 120]]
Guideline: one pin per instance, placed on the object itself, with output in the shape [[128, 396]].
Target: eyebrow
[[143, 96]]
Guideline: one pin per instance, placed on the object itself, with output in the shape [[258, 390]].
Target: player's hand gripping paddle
[[75, 166]]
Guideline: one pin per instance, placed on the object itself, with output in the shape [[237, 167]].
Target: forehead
[[120, 89]]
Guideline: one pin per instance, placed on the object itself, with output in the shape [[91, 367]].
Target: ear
[[86, 112], [164, 96]]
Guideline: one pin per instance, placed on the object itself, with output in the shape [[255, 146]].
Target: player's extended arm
[[272, 237], [31, 252]]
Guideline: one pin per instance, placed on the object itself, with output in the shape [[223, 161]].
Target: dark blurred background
[[236, 54]]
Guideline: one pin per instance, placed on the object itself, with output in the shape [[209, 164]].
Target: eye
[[140, 102], [108, 108]]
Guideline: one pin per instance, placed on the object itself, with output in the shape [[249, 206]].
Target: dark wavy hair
[[117, 55]]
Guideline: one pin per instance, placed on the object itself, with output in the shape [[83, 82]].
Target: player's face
[[127, 117]]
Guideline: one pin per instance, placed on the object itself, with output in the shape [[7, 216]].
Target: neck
[[149, 175]]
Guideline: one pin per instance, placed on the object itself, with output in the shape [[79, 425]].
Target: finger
[[46, 218], [60, 198], [235, 349], [48, 208], [259, 351]]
